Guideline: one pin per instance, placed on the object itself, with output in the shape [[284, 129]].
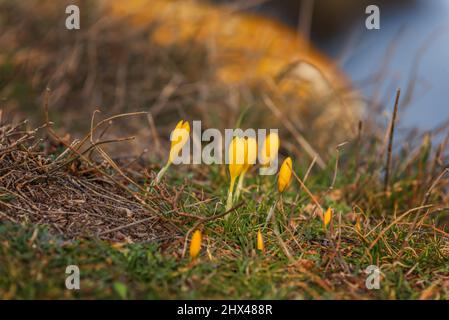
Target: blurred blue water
[[425, 25]]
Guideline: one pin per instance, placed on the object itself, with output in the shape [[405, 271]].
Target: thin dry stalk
[[390, 142]]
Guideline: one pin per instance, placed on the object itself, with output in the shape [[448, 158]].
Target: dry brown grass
[[73, 196]]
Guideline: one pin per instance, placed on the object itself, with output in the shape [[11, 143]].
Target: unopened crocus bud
[[285, 174], [251, 154], [195, 244], [327, 217], [237, 154], [250, 160], [179, 137], [260, 244], [270, 148]]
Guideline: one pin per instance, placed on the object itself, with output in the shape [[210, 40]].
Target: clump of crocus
[[270, 149], [285, 174], [237, 154], [250, 160], [179, 137], [327, 217], [195, 244], [260, 244]]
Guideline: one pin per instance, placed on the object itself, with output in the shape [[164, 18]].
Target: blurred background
[[119, 65], [410, 51]]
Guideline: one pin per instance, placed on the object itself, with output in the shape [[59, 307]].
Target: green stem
[[230, 202], [161, 174], [239, 186]]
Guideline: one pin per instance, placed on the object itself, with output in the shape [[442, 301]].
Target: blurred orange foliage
[[244, 46]]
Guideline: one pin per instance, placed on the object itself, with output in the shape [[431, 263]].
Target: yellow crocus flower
[[285, 174], [237, 154], [195, 244], [181, 133], [179, 137], [327, 217], [260, 244], [250, 160], [269, 149]]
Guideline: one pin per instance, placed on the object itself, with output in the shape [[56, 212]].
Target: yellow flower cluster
[[243, 154]]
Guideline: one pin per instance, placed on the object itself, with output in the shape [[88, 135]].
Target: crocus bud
[[237, 155], [270, 148], [250, 159], [327, 217], [179, 137], [238, 151], [195, 244], [260, 244], [251, 154], [285, 174]]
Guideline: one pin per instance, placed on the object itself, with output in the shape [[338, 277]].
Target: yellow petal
[[285, 174], [327, 217], [186, 126], [179, 124], [195, 244], [270, 149], [237, 153], [179, 137], [251, 153], [260, 244]]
